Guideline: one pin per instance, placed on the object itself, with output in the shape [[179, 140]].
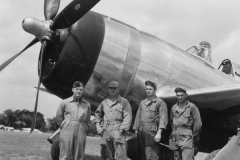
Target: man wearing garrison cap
[[151, 119], [74, 116], [186, 124], [116, 113]]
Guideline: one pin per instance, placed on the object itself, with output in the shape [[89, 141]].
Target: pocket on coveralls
[[186, 117], [153, 112], [118, 115], [119, 137], [186, 137]]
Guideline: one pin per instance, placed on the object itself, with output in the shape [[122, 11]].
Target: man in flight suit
[[74, 115], [118, 115], [151, 119], [186, 124]]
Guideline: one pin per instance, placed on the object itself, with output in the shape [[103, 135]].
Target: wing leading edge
[[218, 98]]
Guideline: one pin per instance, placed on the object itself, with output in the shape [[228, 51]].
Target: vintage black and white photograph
[[119, 80]]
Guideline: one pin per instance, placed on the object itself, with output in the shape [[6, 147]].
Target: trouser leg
[[79, 149], [80, 143], [120, 151], [103, 151], [66, 145], [110, 148], [141, 146], [152, 152]]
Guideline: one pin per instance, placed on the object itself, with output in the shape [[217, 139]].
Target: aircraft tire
[[212, 155], [132, 149], [133, 154], [55, 150]]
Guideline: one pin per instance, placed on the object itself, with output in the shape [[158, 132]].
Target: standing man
[[74, 115], [151, 119], [186, 124], [118, 115]]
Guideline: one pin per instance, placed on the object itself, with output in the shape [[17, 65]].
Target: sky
[[182, 23]]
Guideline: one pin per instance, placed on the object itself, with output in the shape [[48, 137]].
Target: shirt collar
[[83, 100], [147, 102], [73, 100], [118, 99], [108, 101], [183, 109], [187, 105]]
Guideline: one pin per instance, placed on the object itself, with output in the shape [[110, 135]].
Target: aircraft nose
[[74, 54]]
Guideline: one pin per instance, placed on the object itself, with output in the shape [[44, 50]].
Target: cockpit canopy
[[230, 68], [203, 50]]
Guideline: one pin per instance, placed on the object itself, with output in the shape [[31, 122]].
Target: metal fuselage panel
[[116, 61], [132, 57], [191, 72]]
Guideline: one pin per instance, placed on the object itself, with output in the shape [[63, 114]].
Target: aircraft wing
[[218, 98]]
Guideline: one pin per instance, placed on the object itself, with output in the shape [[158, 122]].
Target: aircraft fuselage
[[99, 49]]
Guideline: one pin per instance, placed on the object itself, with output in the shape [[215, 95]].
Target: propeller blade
[[44, 44], [71, 13], [15, 56], [51, 8]]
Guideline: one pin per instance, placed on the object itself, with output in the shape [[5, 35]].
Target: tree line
[[19, 119]]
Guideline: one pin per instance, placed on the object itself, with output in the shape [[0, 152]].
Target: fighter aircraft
[[78, 44]]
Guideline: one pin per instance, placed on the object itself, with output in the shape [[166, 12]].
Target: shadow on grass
[[92, 157]]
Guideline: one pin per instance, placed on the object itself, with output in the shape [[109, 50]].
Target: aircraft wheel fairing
[[55, 150], [133, 154], [212, 155]]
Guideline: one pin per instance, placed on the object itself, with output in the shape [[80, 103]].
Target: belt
[[76, 120], [113, 122], [148, 123], [182, 128]]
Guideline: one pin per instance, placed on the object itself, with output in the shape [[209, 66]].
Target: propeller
[[67, 17], [51, 8], [40, 65], [71, 13], [45, 31], [35, 40]]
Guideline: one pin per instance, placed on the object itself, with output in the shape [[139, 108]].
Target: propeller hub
[[63, 33], [38, 28]]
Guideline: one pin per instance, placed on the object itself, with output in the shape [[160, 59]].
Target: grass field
[[20, 146]]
